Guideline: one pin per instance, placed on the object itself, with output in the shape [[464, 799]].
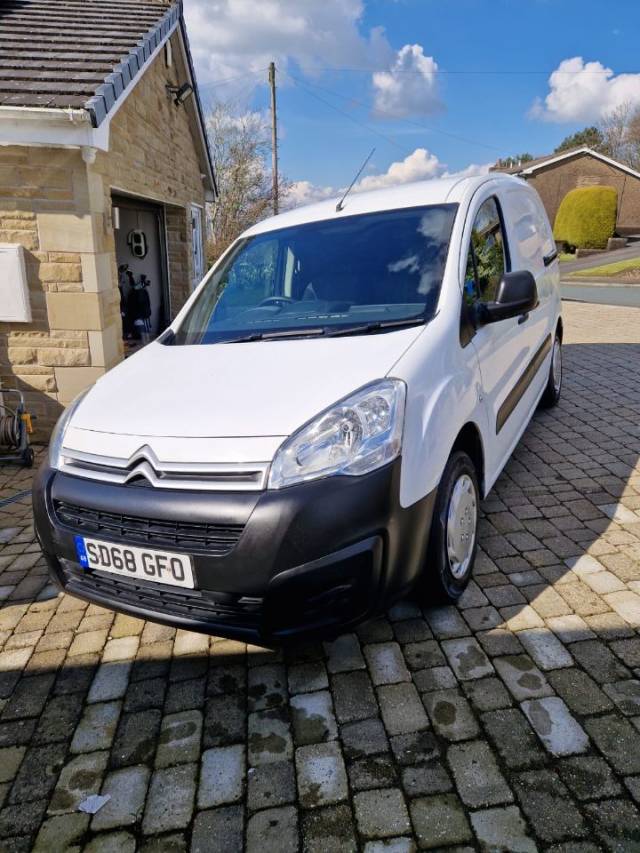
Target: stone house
[[553, 176], [104, 175]]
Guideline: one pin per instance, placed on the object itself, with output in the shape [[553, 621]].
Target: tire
[[27, 458], [552, 392], [444, 577]]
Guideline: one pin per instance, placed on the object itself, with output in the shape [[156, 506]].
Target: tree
[[589, 136], [633, 130], [617, 135], [240, 147], [516, 160], [621, 135]]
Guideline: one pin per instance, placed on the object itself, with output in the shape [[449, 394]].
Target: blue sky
[[425, 97]]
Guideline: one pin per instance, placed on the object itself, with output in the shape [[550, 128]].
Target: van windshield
[[353, 275]]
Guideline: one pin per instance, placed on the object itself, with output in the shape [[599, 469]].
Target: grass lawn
[[566, 256], [629, 270]]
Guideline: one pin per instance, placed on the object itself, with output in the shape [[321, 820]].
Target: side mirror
[[517, 295]]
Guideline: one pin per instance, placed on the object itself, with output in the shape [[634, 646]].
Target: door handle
[[523, 318]]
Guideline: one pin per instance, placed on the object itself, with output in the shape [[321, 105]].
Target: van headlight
[[57, 436], [355, 436]]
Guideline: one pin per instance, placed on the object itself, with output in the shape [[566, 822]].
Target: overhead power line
[[474, 71], [308, 86], [417, 124], [347, 115], [506, 72], [224, 80]]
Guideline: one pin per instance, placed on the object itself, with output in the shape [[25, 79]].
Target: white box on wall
[[14, 289]]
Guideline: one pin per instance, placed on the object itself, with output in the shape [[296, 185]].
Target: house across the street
[[553, 176], [104, 175]]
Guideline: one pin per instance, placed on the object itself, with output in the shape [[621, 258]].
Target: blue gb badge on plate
[[81, 551]]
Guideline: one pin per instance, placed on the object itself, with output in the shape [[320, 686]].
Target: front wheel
[[551, 393], [453, 539]]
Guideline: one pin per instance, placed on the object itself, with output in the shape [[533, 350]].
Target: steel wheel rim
[[556, 366], [461, 525]]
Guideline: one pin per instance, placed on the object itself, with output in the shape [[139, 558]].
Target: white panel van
[[312, 436]]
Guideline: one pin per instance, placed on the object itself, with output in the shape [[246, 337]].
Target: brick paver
[[511, 722]]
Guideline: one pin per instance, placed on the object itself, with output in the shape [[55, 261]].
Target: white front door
[[197, 246]]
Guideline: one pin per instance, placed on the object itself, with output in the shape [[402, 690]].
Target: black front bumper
[[311, 559]]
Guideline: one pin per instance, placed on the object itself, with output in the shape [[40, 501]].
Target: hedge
[[586, 217]]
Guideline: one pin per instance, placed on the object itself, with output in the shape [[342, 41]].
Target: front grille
[[145, 466], [213, 539], [204, 607]]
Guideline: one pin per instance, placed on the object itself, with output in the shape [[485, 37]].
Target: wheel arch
[[469, 440]]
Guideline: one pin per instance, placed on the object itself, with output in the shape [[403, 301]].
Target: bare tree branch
[[240, 143], [620, 131]]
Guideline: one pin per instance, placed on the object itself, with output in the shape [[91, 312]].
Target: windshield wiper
[[327, 331], [376, 326], [276, 335], [293, 333]]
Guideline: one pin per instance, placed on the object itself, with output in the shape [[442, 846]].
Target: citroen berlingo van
[[312, 436]]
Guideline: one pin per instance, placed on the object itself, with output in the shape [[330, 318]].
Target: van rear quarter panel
[[529, 236]]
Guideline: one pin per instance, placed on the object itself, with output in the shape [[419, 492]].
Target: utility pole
[[274, 135]]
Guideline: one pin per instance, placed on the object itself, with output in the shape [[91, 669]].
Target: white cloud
[[233, 37], [585, 91], [420, 165], [304, 192], [470, 171], [409, 87]]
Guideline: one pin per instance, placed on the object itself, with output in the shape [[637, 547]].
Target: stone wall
[[554, 182], [58, 207], [178, 231], [44, 206]]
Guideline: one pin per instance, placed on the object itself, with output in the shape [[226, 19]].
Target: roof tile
[[77, 53]]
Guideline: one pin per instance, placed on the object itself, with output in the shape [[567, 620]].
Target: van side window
[[486, 262], [470, 293]]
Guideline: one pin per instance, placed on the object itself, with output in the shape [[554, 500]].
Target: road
[[602, 293], [631, 251]]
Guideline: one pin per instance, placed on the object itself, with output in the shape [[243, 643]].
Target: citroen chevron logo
[[143, 463]]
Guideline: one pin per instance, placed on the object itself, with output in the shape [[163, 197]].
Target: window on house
[[196, 244]]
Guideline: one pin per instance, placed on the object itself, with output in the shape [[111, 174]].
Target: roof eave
[[202, 126], [89, 127], [66, 128], [118, 83], [566, 155]]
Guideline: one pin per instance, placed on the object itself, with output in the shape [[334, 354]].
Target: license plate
[[131, 562]]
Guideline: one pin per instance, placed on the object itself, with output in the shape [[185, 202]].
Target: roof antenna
[[340, 204]]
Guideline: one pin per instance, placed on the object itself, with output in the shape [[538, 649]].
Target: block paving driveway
[[509, 723]]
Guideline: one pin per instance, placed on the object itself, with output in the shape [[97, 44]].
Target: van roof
[[435, 191]]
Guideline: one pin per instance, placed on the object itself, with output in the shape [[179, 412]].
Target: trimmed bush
[[586, 217]]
